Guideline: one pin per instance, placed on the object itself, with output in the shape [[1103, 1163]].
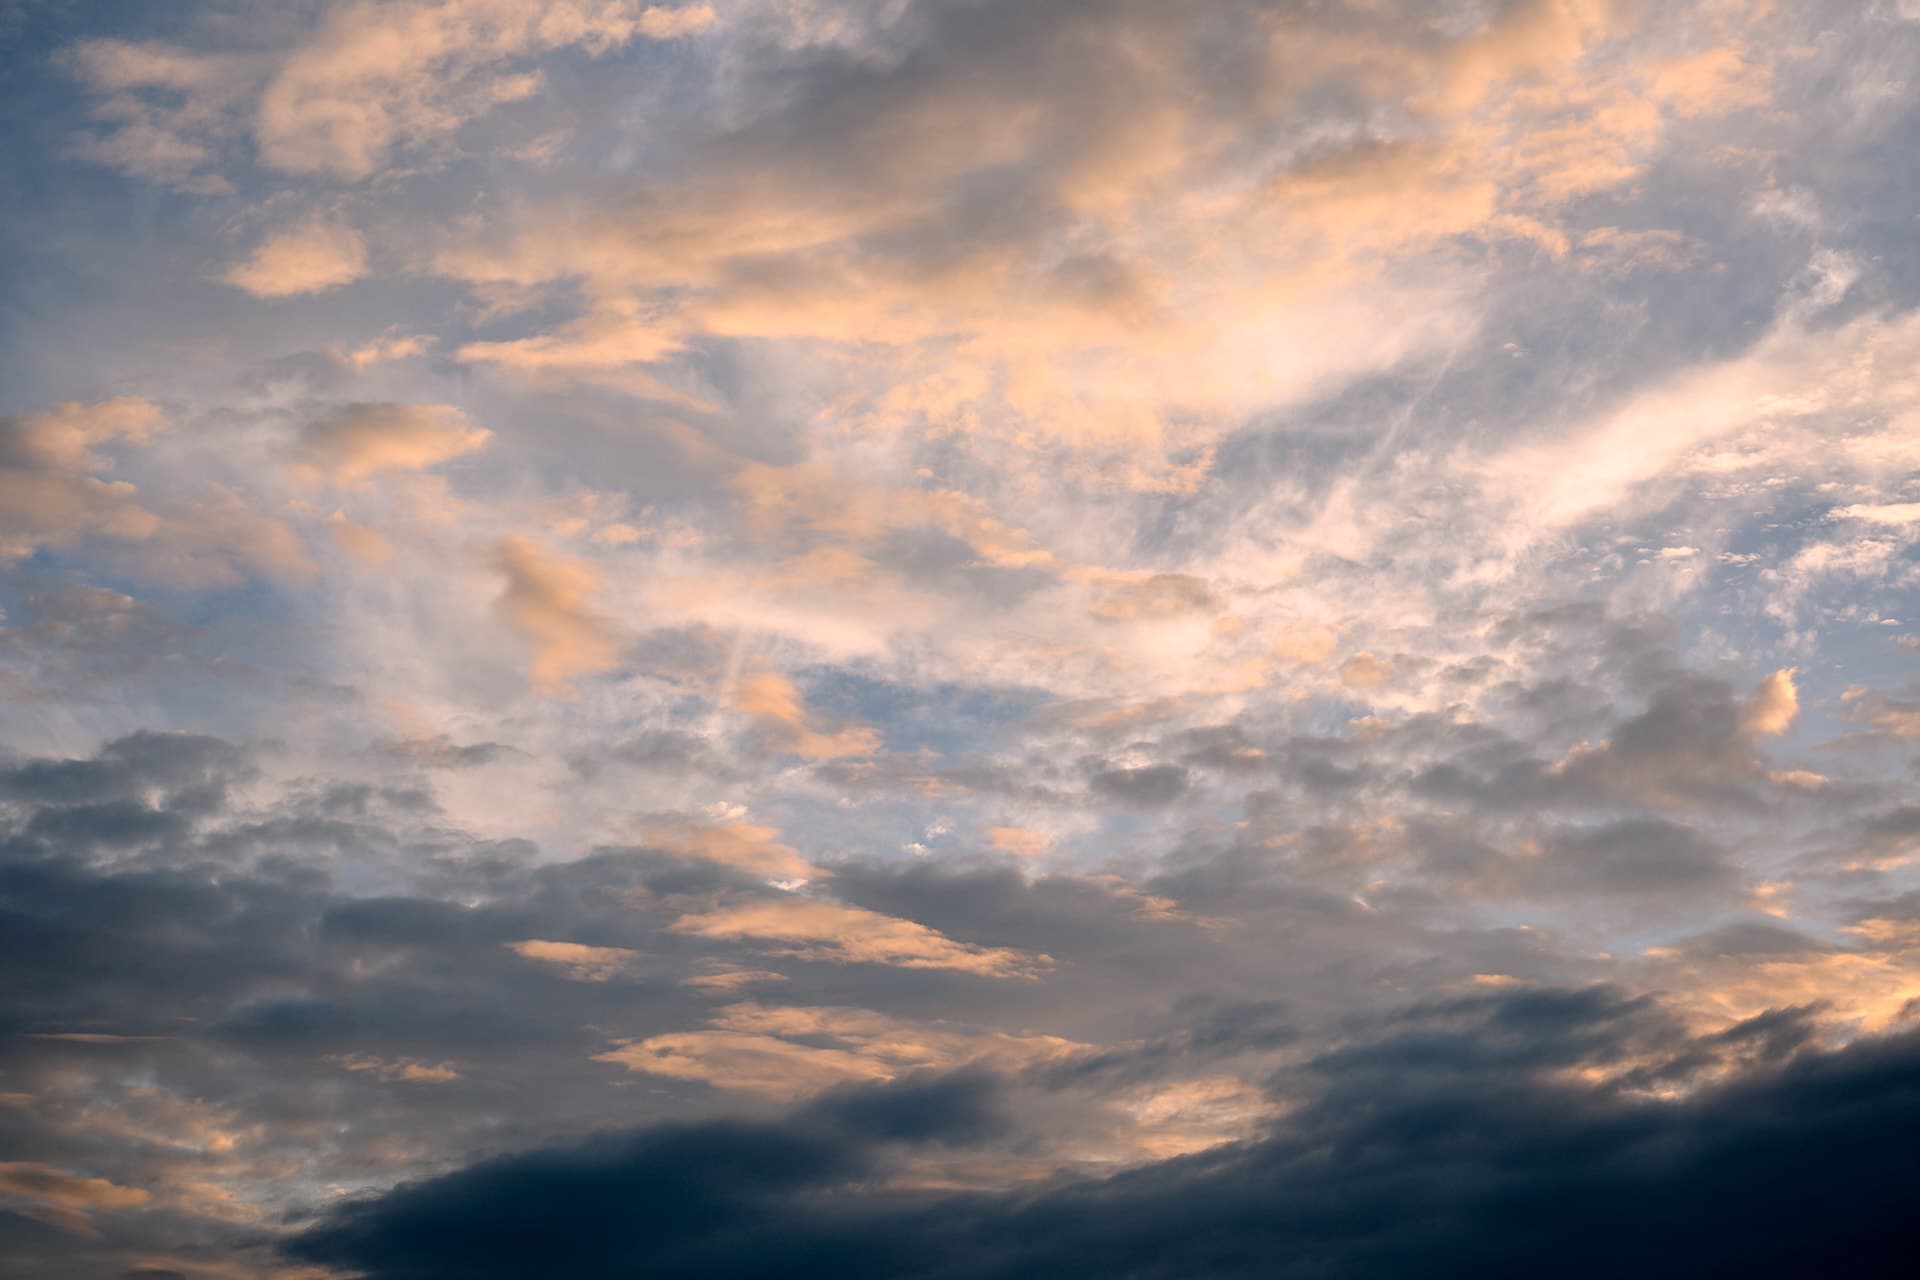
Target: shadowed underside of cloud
[[1436, 1148]]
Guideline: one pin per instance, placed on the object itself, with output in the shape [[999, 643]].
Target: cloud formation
[[957, 637], [828, 931], [1424, 1155], [306, 259], [545, 600], [366, 439]]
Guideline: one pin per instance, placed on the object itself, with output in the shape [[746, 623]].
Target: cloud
[[773, 703], [1774, 705], [48, 474], [546, 602], [1411, 1156], [733, 844], [821, 223], [405, 1071], [751, 1062], [578, 961], [1018, 841], [339, 100], [184, 876], [55, 1196], [364, 440], [373, 79], [1712, 82], [1146, 787], [615, 339], [1139, 634], [164, 109], [1639, 856], [778, 1051], [57, 490], [813, 929], [1883, 714], [63, 437], [1363, 670], [1892, 513], [1693, 745], [662, 22], [310, 258], [367, 546]]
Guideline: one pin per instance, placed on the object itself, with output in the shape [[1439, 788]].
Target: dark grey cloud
[[124, 768], [1452, 1144]]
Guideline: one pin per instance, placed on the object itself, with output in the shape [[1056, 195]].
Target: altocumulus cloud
[[958, 638]]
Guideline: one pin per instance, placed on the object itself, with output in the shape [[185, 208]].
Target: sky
[[959, 638]]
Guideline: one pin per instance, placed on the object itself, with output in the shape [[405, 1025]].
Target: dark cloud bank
[[1453, 1143], [1528, 1129]]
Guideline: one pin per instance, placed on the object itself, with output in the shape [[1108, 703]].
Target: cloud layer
[[958, 638]]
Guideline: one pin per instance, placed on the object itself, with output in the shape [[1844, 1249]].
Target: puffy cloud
[[1693, 745], [1770, 711], [55, 491], [63, 438], [48, 475], [165, 109], [1893, 513], [364, 440], [310, 258]]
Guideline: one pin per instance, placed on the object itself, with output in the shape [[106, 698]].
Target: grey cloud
[[1448, 1144], [1642, 855], [1146, 787], [124, 770]]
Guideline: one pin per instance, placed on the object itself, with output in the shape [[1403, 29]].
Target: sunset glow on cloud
[[958, 638]]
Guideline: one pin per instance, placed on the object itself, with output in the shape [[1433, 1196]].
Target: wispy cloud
[[956, 635]]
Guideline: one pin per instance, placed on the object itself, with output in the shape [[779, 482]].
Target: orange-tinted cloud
[[310, 258], [56, 490], [364, 440], [63, 1199], [733, 844], [546, 602], [813, 929], [578, 961], [792, 1051], [772, 702]]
